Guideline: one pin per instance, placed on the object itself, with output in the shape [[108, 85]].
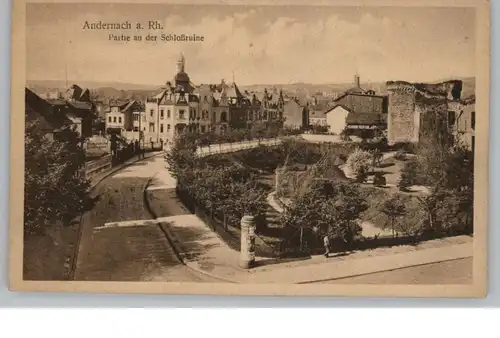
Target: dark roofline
[[338, 105], [359, 94]]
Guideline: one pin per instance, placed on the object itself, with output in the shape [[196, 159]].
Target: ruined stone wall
[[419, 110], [401, 114], [434, 125]]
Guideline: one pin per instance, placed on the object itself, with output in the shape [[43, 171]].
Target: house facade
[[357, 111], [463, 114], [336, 119], [121, 117], [295, 115], [181, 106]]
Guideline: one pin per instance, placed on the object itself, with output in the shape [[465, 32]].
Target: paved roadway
[[139, 252], [450, 272]]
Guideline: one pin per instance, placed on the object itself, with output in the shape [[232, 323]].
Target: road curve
[[132, 251]]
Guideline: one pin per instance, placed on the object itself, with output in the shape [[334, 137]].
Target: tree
[[333, 209], [258, 131], [393, 208], [359, 162], [409, 176], [430, 204], [182, 156], [55, 186]]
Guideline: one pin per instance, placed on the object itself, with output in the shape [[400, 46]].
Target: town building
[[39, 114], [357, 111], [463, 114], [121, 117], [295, 115], [418, 110], [74, 105], [181, 106]]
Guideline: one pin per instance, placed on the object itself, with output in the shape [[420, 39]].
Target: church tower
[[181, 63], [181, 80]]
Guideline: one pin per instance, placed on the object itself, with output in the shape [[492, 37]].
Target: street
[[450, 272], [120, 241]]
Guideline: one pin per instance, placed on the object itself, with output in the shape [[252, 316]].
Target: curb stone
[[173, 241]]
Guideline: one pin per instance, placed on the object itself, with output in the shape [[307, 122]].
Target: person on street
[[326, 243]]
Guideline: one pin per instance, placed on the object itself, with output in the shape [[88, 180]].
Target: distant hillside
[[303, 91]]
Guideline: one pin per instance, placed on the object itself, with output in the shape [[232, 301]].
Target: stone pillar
[[247, 252]]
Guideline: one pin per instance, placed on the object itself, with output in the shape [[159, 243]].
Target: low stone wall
[[93, 168]]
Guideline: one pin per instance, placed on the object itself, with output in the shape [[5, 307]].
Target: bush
[[359, 162], [379, 180], [400, 155], [409, 176]]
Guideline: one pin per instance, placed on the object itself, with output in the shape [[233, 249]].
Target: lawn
[[376, 197]]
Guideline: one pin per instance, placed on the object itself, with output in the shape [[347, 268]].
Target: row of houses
[[182, 106], [408, 112], [73, 109]]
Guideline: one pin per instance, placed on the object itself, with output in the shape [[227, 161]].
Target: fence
[[230, 234], [95, 167], [223, 148]]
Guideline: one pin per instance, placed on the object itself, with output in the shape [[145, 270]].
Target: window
[[223, 116], [168, 114], [151, 127], [110, 119], [114, 119], [120, 120], [152, 112], [202, 129], [473, 120], [161, 128], [168, 127], [161, 114], [265, 115], [451, 118], [181, 114]]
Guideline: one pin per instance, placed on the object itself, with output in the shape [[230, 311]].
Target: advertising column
[[247, 254]]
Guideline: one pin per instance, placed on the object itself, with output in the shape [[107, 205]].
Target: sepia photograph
[[237, 148]]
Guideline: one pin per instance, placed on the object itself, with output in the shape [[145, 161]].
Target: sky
[[259, 45]]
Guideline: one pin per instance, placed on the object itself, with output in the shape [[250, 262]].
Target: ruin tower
[[402, 119], [417, 110]]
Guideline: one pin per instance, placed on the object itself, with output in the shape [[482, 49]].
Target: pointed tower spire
[[181, 64]]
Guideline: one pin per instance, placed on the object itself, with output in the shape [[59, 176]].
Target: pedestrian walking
[[326, 243]]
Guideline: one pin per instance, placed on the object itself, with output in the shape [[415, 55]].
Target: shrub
[[400, 155], [379, 180], [359, 162], [409, 176]]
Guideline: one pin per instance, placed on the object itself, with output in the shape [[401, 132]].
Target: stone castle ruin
[[418, 110]]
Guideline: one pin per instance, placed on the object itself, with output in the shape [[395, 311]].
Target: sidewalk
[[98, 178], [202, 250]]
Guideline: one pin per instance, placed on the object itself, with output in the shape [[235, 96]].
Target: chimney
[[356, 81]]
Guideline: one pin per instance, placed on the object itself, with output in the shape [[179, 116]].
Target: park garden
[[361, 195]]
